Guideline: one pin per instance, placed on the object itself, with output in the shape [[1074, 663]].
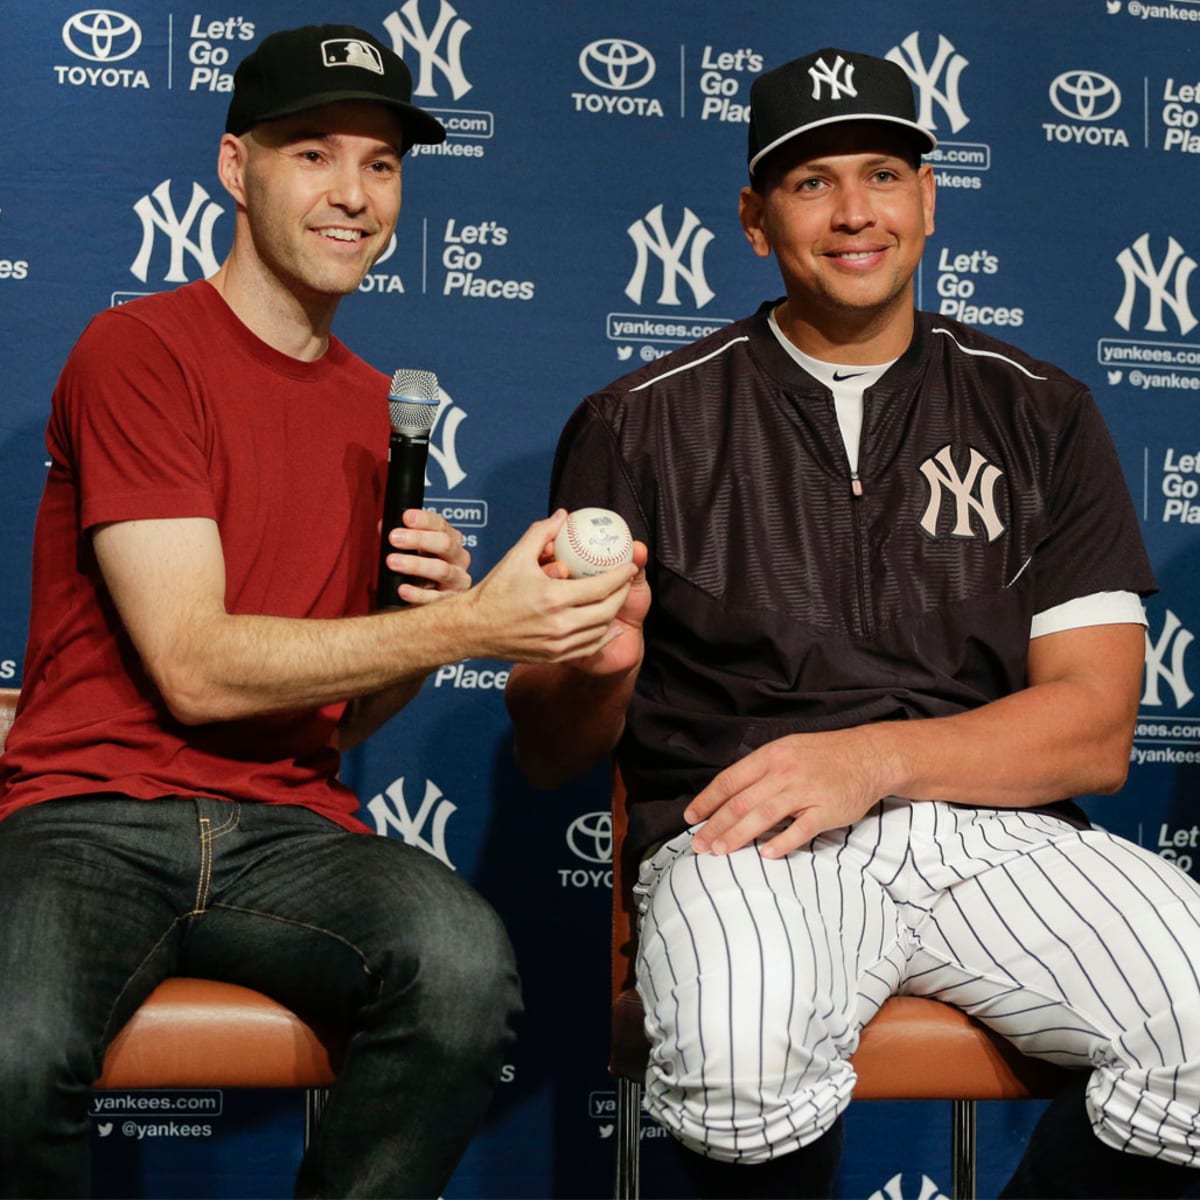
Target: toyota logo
[[590, 837], [102, 35], [617, 64], [388, 250], [1085, 95]]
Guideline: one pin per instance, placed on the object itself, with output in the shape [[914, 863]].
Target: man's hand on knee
[[805, 782]]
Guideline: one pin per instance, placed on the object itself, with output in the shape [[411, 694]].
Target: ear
[[928, 186], [231, 166], [750, 213]]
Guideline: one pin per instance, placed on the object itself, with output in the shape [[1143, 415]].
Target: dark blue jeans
[[102, 897]]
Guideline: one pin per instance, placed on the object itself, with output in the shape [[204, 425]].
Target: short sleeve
[[1100, 608], [1095, 544], [590, 472], [126, 424]]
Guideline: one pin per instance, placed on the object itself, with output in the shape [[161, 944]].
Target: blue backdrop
[[581, 219]]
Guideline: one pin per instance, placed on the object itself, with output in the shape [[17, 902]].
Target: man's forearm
[[167, 581], [242, 666], [1031, 748], [564, 720], [1038, 745], [1068, 732]]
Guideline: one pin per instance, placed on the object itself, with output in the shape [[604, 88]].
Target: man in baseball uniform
[[889, 622]]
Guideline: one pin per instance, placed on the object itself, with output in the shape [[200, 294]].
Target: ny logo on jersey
[[449, 27], [1175, 639], [649, 236], [974, 494], [1138, 266], [947, 63], [164, 219], [839, 78], [426, 830]]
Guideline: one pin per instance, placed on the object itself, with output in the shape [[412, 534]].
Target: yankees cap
[[298, 69], [824, 88]]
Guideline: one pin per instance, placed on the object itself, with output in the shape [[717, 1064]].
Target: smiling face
[[318, 195], [846, 212]]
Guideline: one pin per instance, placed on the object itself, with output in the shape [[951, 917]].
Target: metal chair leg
[[628, 1149], [962, 1150], [629, 1146], [315, 1100]]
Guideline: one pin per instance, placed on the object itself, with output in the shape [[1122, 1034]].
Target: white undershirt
[[848, 382]]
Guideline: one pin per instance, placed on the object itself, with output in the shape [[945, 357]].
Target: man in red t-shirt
[[202, 644]]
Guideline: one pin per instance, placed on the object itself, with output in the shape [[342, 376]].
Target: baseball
[[593, 540]]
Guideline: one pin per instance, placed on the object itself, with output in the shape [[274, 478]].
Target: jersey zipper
[[860, 554]]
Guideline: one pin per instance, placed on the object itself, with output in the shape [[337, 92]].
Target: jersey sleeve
[[1094, 544], [1100, 608], [589, 471], [125, 423]]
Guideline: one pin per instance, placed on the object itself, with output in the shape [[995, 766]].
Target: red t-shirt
[[169, 407]]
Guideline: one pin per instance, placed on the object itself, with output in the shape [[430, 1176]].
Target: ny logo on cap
[[822, 72], [350, 52]]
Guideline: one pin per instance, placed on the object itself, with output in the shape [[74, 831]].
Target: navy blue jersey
[[791, 594]]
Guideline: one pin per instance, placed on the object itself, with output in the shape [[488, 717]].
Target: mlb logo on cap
[[350, 52], [292, 71]]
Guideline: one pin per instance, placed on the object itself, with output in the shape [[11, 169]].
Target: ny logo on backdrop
[[974, 493], [443, 440], [1173, 640], [1138, 266], [839, 78], [157, 214], [892, 1190], [425, 829], [649, 235], [449, 29], [947, 65]]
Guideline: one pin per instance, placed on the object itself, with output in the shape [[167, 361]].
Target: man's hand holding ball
[[590, 542]]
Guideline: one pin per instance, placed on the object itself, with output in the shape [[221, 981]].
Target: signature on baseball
[[593, 540]]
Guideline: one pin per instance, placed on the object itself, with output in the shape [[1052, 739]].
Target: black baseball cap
[[297, 69], [827, 87]]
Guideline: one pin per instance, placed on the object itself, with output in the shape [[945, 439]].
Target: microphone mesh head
[[413, 402]]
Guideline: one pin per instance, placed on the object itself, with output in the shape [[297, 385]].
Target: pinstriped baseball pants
[[757, 975]]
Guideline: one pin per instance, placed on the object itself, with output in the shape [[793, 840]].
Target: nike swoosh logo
[[849, 375]]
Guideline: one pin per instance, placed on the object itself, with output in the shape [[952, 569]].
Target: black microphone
[[412, 408]]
